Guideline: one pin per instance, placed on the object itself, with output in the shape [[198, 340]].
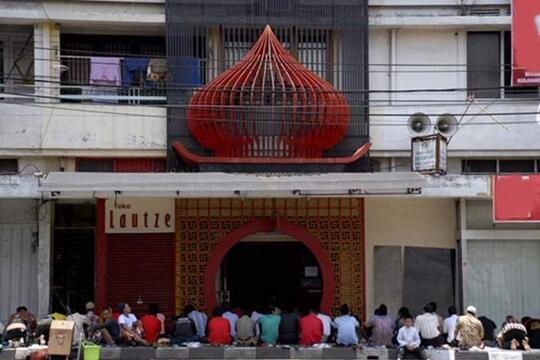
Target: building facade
[[96, 202]]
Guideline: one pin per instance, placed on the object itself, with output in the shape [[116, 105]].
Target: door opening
[[284, 273]]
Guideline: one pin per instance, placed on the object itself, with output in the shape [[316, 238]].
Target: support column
[[47, 63], [392, 68], [463, 248], [44, 258], [101, 255]]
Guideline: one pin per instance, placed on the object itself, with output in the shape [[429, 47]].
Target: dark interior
[[279, 273]]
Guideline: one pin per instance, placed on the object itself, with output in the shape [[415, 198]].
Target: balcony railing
[[77, 85]]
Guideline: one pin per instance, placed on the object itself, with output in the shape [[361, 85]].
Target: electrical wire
[[372, 123], [97, 53], [183, 87]]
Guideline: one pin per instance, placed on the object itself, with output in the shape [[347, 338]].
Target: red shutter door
[[141, 265]]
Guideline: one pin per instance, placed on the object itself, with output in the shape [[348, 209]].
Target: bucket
[[91, 351]]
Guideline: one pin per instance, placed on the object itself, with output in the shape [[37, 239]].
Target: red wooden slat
[[268, 105], [141, 264]]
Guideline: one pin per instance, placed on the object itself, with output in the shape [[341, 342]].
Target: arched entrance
[[270, 268], [269, 225]]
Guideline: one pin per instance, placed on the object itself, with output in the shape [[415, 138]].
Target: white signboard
[[139, 215], [429, 154]]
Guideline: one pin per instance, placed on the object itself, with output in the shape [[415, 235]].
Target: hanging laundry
[[189, 72], [157, 70], [131, 67], [105, 71]]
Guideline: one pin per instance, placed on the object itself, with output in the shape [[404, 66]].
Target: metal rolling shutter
[[141, 265]]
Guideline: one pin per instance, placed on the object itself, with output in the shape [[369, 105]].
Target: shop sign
[[429, 154], [516, 198], [139, 215], [525, 43]]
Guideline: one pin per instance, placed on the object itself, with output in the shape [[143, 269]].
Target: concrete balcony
[[66, 129]]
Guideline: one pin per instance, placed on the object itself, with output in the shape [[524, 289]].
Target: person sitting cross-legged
[[151, 324], [409, 340], [131, 331], [107, 329], [246, 333], [347, 326], [269, 325], [184, 328], [219, 328], [311, 329], [513, 335]]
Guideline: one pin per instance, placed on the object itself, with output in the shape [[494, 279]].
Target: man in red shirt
[[219, 329], [311, 329], [151, 323]]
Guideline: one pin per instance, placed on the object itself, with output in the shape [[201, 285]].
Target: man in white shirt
[[346, 326], [427, 325], [409, 340], [232, 317], [327, 325], [130, 331], [449, 327]]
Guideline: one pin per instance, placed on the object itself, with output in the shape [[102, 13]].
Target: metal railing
[[76, 85]]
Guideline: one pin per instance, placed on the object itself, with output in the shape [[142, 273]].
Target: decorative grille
[[337, 223]]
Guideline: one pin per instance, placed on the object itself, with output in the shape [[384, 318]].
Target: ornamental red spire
[[268, 106]]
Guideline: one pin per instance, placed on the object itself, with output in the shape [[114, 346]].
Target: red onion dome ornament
[[268, 108]]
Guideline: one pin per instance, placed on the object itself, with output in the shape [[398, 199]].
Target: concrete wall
[[406, 222], [480, 135], [77, 129]]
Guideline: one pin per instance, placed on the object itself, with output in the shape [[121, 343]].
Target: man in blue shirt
[[346, 326]]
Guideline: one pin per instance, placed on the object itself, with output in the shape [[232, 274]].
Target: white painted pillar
[[44, 257], [463, 243], [47, 62], [392, 67]]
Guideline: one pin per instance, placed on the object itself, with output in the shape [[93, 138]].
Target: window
[[121, 165], [516, 166], [479, 166], [492, 166], [483, 64], [1, 65], [310, 46], [9, 166], [95, 165]]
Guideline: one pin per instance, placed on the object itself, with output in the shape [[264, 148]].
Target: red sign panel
[[525, 43], [516, 198]]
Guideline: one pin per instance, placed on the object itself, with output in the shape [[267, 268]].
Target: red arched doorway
[[267, 225]]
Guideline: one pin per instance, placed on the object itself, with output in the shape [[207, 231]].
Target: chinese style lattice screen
[[337, 223]]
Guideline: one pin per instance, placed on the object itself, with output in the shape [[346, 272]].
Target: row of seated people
[[267, 327]]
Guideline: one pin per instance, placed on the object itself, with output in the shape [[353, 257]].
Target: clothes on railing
[[131, 66], [157, 70], [189, 74], [105, 71]]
